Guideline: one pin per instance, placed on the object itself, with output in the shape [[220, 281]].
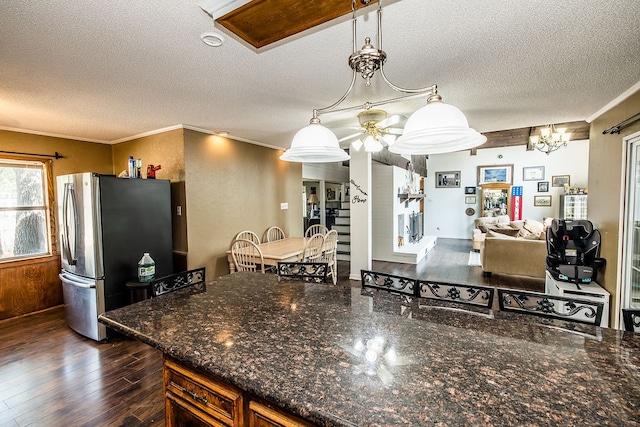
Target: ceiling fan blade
[[394, 131], [391, 121], [350, 137]]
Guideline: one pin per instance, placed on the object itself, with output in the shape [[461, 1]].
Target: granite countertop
[[339, 357]]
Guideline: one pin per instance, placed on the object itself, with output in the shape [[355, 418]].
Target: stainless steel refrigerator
[[105, 225]]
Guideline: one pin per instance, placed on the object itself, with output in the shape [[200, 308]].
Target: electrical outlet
[[179, 210]]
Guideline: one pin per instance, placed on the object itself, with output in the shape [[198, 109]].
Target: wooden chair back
[[313, 248], [329, 250], [316, 229], [248, 235], [274, 233], [247, 256], [551, 306], [173, 282]]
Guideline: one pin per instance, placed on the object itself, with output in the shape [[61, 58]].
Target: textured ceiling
[[106, 71]]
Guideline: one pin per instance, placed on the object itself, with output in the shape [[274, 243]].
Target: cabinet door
[[265, 416], [198, 394], [181, 414]]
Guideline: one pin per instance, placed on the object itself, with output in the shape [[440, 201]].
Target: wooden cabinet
[[192, 395], [495, 199], [194, 399], [261, 415]]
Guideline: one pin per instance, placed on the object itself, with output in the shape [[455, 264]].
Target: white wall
[[445, 207]]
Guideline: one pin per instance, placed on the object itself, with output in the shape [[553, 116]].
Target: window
[[25, 223]]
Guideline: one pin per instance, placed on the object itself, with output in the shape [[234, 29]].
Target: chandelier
[[435, 128], [550, 139]]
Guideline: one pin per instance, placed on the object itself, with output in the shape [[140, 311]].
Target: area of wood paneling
[[507, 138], [262, 22], [28, 286]]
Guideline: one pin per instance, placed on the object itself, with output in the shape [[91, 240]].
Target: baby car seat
[[573, 251]]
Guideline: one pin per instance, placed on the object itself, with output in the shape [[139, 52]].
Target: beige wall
[[606, 193], [165, 149], [233, 186], [79, 156]]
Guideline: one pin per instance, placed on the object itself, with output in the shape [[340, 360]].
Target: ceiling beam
[[262, 22], [512, 137]]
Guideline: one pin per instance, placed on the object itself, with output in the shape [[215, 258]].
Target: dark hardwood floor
[[51, 376]]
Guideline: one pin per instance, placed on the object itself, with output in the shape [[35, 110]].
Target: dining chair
[[274, 233], [457, 293], [388, 282], [315, 229], [313, 248], [173, 282], [551, 306], [247, 256], [248, 235], [329, 249], [631, 319], [305, 271]]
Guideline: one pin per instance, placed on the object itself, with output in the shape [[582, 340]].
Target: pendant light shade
[[315, 144], [437, 128]]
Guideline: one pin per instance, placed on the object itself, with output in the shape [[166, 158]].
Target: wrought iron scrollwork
[[562, 308], [307, 271], [466, 294], [388, 282]]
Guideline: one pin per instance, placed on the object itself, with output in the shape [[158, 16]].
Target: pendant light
[[434, 128]]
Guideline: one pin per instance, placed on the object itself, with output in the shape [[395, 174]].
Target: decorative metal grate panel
[[458, 293], [388, 282], [306, 271], [177, 281], [550, 306]]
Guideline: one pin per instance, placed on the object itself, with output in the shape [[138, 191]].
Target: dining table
[[289, 249]]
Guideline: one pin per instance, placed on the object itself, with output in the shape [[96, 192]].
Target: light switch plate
[[284, 206]]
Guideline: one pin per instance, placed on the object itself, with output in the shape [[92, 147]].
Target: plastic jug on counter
[[146, 268]]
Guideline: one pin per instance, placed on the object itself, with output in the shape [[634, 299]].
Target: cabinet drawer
[[222, 401], [261, 415]]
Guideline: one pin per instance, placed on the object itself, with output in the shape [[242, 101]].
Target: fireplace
[[415, 228]]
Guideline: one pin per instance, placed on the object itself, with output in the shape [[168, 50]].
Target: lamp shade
[[313, 198], [437, 128], [315, 144]]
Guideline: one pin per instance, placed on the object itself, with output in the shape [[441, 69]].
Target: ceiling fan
[[377, 130]]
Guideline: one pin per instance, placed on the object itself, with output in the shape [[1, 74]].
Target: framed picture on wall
[[496, 173], [469, 190], [541, 200], [543, 186], [560, 180], [533, 173], [470, 200], [450, 179]]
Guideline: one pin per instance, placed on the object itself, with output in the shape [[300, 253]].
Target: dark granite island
[[334, 357]]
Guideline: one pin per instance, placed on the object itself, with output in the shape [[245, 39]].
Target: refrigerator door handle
[[70, 200], [78, 283]]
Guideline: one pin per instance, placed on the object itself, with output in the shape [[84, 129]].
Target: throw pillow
[[492, 233], [503, 219], [518, 224], [533, 226], [483, 228], [507, 231], [484, 221]]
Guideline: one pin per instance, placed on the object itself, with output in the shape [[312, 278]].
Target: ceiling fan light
[[437, 128], [357, 144], [315, 144], [372, 144]]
